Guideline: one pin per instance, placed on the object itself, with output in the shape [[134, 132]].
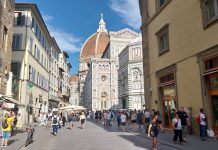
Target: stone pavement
[[97, 137]]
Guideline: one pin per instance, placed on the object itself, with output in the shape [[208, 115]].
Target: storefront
[[211, 85], [167, 92]]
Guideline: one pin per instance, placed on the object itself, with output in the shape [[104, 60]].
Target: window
[[169, 78], [210, 11], [5, 39], [211, 64], [163, 39], [160, 3], [17, 41], [19, 19], [15, 68]]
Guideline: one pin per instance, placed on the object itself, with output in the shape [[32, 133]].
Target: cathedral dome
[[97, 43]]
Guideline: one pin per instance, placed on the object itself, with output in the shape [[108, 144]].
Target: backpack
[[4, 124], [55, 120], [198, 120]]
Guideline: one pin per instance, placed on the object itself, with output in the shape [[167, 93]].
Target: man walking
[[184, 121], [55, 121], [203, 125]]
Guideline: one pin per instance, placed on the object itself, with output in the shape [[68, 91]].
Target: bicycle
[[29, 139]]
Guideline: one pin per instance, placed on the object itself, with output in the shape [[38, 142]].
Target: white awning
[[13, 101]]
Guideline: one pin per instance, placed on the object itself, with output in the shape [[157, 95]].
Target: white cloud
[[66, 41], [128, 10]]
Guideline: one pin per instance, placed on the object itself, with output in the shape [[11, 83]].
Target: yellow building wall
[[189, 85]]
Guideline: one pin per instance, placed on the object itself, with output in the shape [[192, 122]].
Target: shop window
[[163, 39], [213, 82], [211, 64]]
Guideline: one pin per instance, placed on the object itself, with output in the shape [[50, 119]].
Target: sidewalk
[[166, 138]]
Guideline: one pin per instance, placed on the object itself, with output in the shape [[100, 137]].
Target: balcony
[[54, 98]]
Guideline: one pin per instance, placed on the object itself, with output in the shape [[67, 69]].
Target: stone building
[[54, 98], [31, 60], [74, 90], [64, 78], [180, 53], [6, 36], [98, 69], [130, 80]]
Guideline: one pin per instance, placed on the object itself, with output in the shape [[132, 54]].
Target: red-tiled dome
[[95, 45]]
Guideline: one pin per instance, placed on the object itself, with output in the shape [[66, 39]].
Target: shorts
[[82, 121], [123, 124], [5, 134]]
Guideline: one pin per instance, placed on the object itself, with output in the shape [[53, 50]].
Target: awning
[[9, 99]]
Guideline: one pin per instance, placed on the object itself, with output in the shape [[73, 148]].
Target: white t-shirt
[[123, 118], [147, 114], [82, 117], [202, 119], [105, 115], [179, 126]]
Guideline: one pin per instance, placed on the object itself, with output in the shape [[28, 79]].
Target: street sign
[[30, 85]]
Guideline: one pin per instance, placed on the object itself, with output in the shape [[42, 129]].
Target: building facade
[[64, 87], [31, 60], [130, 76], [54, 98], [74, 90], [6, 36], [180, 50], [98, 69]]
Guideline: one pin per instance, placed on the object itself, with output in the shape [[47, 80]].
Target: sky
[[71, 22]]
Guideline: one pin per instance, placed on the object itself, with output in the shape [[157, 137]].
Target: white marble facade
[[131, 84], [98, 76]]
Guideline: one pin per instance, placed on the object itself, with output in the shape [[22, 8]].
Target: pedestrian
[[55, 123], [19, 124], [185, 122], [6, 128], [153, 131], [147, 120], [118, 119], [160, 120], [177, 125], [82, 120], [63, 120], [123, 118], [96, 116], [203, 125], [139, 119], [133, 119], [108, 118]]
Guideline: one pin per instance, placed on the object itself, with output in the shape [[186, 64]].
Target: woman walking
[[153, 131], [82, 120], [177, 125]]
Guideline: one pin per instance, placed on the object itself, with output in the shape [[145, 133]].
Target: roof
[[74, 78], [95, 45]]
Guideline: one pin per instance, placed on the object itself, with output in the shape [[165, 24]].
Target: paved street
[[97, 137]]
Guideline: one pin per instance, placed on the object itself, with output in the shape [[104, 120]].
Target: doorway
[[214, 105]]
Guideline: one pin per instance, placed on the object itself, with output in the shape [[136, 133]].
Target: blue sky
[[71, 22]]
